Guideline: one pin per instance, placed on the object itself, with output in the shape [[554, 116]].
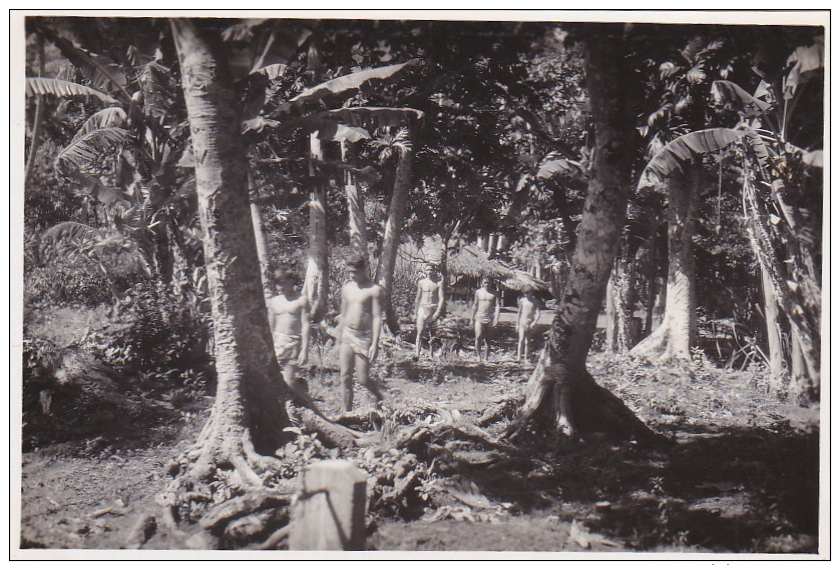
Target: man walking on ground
[[526, 320], [358, 331], [484, 315], [428, 305], [289, 321]]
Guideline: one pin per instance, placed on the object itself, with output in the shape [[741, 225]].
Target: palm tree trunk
[[39, 116], [316, 284], [357, 223], [677, 334], [562, 388], [393, 235], [249, 411]]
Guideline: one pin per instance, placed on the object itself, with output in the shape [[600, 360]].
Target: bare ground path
[[742, 474]]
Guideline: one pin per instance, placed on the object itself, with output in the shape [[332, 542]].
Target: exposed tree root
[[571, 406]]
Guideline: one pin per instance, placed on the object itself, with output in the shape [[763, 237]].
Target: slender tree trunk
[[39, 116], [393, 236], [316, 285], [249, 409], [652, 282], [357, 222], [799, 382], [677, 334], [561, 389], [774, 338], [259, 233], [610, 344]]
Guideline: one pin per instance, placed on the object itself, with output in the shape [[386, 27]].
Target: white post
[[330, 510]]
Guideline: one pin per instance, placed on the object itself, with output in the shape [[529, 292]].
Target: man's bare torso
[[528, 311], [428, 292], [287, 313], [486, 301], [358, 313]]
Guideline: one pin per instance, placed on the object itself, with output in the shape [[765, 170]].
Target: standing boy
[[428, 305], [526, 320], [358, 330], [289, 321], [484, 315]]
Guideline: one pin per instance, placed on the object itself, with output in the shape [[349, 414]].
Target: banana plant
[[309, 113], [782, 181], [125, 155]]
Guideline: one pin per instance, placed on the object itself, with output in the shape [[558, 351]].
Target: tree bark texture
[[677, 334], [249, 407], [393, 235], [316, 284], [561, 387]]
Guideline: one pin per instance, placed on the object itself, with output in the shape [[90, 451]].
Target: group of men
[[360, 324]]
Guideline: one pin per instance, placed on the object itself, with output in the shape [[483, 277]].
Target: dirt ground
[[740, 475]]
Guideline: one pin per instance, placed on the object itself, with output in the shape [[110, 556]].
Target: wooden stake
[[330, 510]]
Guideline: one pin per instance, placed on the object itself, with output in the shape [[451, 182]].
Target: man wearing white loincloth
[[428, 305], [527, 317], [484, 315], [358, 331], [289, 320]]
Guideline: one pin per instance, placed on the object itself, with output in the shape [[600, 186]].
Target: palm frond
[[110, 117], [89, 148], [63, 89]]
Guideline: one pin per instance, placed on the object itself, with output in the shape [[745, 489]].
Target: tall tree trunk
[[561, 389], [317, 285], [39, 116], [610, 343], [259, 233], [393, 236], [357, 222], [249, 411], [799, 382], [677, 334], [774, 337]]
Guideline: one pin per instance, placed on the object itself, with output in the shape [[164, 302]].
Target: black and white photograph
[[420, 284]]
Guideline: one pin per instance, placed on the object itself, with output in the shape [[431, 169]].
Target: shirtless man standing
[[428, 305], [484, 315], [526, 320], [358, 331], [289, 321]]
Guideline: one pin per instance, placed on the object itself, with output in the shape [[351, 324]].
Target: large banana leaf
[[671, 157], [730, 93], [371, 117], [560, 166], [805, 62], [348, 84], [89, 147], [366, 117], [63, 89]]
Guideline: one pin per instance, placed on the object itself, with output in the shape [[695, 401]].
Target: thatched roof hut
[[472, 262]]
